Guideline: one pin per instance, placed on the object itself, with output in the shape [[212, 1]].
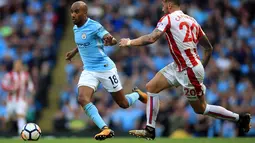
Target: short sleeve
[[6, 82], [164, 23], [201, 32], [101, 31]]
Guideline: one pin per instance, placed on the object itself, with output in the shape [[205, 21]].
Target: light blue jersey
[[89, 40]]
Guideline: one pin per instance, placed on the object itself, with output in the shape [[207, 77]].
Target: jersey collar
[[88, 19]]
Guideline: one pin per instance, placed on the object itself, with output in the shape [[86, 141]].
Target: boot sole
[[103, 137]]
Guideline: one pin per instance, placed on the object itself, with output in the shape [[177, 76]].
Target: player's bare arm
[[143, 40], [208, 49], [109, 40], [71, 54], [31, 86]]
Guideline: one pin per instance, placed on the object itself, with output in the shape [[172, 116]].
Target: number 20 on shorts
[[192, 92]]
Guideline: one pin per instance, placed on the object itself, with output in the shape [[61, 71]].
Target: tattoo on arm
[[147, 39], [208, 49]]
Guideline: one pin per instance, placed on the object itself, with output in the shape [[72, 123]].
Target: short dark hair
[[177, 2]]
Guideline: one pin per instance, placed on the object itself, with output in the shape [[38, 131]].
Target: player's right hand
[[124, 42], [70, 55]]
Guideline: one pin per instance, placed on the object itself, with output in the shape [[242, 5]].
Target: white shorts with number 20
[[191, 79], [109, 79]]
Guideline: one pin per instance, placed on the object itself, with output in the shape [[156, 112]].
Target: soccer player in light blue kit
[[90, 38]]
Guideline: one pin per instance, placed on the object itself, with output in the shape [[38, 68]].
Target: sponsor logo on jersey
[[83, 45], [160, 24]]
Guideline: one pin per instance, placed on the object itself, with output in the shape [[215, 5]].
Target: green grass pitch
[[136, 140]]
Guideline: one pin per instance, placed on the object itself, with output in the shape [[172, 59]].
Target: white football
[[31, 132]]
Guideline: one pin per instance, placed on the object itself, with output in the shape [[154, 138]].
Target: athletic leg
[[111, 82], [21, 121], [21, 110], [153, 87], [201, 107], [157, 84], [124, 101], [86, 87], [198, 102], [84, 99]]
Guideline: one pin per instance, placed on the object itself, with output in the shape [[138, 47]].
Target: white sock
[[220, 113], [21, 124], [152, 108]]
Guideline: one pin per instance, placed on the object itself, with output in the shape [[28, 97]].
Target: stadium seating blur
[[30, 30], [230, 74]]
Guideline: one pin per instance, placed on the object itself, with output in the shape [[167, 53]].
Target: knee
[[123, 105], [83, 100], [151, 88]]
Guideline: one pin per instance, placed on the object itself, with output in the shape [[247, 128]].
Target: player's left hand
[[108, 40], [124, 42]]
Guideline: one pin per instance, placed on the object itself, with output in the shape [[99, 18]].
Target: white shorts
[[191, 79], [109, 79], [16, 108]]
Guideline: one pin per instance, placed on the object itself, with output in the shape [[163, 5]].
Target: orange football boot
[[143, 97], [104, 134]]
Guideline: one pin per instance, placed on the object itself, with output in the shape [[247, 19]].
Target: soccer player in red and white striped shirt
[[183, 33], [17, 83]]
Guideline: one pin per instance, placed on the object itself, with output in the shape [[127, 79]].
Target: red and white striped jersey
[[182, 33], [17, 84]]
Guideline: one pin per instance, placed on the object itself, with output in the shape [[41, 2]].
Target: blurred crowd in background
[[33, 33], [30, 30]]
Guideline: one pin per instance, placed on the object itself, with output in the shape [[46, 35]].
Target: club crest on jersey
[[83, 36]]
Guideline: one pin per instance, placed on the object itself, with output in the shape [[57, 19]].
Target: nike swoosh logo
[[115, 86]]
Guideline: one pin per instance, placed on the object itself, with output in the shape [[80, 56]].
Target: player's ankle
[[104, 127], [150, 129]]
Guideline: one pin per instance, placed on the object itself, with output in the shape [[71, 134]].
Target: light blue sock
[[92, 112], [131, 98]]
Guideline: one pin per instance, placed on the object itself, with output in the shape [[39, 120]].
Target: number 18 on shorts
[[109, 79]]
